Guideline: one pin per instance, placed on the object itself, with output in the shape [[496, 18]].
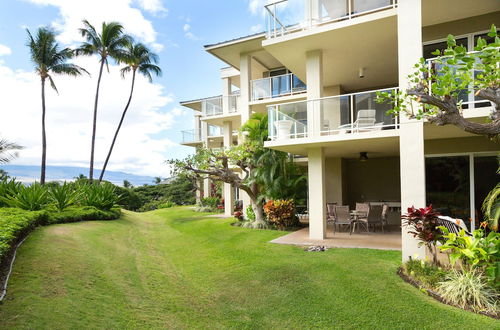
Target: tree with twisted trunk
[[437, 85], [49, 59], [138, 58], [109, 43], [223, 166]]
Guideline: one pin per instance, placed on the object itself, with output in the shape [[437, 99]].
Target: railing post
[[351, 103]]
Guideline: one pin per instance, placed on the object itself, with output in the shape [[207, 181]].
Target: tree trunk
[[119, 127], [44, 137], [94, 123], [257, 209]]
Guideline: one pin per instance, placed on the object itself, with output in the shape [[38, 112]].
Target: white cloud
[[4, 50], [139, 148], [187, 31], [72, 12], [152, 6], [256, 28]]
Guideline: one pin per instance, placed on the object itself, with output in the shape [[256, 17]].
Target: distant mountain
[[27, 173]]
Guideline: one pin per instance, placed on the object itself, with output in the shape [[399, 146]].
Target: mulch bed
[[435, 295]]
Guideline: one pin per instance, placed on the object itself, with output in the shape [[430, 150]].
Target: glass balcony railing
[[212, 106], [342, 114], [266, 88], [286, 16], [214, 131], [233, 103], [191, 136]]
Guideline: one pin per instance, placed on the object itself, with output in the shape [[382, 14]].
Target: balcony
[[277, 86], [214, 106], [284, 17], [191, 136], [335, 115]]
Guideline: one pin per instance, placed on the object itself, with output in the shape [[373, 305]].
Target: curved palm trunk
[[119, 127], [44, 137], [94, 124]]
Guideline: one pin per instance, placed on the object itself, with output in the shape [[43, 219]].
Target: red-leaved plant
[[422, 224]]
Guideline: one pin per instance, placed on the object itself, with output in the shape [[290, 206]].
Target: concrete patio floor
[[373, 240]]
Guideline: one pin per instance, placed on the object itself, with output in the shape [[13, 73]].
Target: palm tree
[[49, 59], [109, 43], [8, 151], [138, 58]]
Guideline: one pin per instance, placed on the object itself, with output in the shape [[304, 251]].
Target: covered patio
[[367, 240]]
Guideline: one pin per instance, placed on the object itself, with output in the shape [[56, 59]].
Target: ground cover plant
[[173, 268]]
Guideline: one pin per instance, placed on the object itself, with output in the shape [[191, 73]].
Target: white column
[[317, 193], [228, 189], [411, 141], [206, 187], [226, 92], [314, 75], [245, 79]]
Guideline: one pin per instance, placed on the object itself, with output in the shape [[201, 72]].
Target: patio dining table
[[355, 214]]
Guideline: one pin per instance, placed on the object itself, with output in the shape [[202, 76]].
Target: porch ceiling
[[375, 147], [435, 12]]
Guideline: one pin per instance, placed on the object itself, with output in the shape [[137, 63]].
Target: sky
[[175, 29]]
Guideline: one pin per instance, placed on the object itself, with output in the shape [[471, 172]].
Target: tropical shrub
[[468, 289], [101, 196], [31, 198], [238, 215], [422, 224], [209, 204], [425, 272], [82, 213], [63, 196], [166, 205], [474, 252], [249, 212], [281, 213], [8, 188]]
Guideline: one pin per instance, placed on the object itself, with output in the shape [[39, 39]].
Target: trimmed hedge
[[15, 223]]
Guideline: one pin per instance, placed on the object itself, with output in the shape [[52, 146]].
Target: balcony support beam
[[317, 193], [314, 75], [412, 157]]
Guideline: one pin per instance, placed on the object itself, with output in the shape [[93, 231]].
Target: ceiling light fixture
[[363, 156]]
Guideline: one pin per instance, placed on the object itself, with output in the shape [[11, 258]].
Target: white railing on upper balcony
[[266, 88], [467, 96], [212, 106], [191, 136], [286, 16], [342, 114], [233, 103]]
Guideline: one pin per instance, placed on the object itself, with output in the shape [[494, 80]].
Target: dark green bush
[[63, 196], [83, 213], [425, 272], [102, 196], [32, 198]]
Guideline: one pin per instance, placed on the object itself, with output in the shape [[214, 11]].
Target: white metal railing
[[466, 96], [276, 86], [341, 114], [190, 136], [282, 16]]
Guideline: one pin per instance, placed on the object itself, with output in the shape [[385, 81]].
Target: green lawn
[[174, 269]]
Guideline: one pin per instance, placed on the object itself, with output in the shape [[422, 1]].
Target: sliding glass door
[[457, 185]]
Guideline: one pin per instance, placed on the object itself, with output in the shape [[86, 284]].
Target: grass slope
[[174, 269]]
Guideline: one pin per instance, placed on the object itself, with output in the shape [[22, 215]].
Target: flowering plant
[[422, 224], [281, 213]]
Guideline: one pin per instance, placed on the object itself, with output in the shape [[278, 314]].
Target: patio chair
[[453, 225], [363, 207], [330, 212], [374, 217], [365, 122], [342, 217]]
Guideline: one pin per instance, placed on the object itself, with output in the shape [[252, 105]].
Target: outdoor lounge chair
[[365, 122], [342, 217], [453, 225]]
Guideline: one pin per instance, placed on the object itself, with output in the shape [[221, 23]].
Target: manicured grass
[[172, 268]]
